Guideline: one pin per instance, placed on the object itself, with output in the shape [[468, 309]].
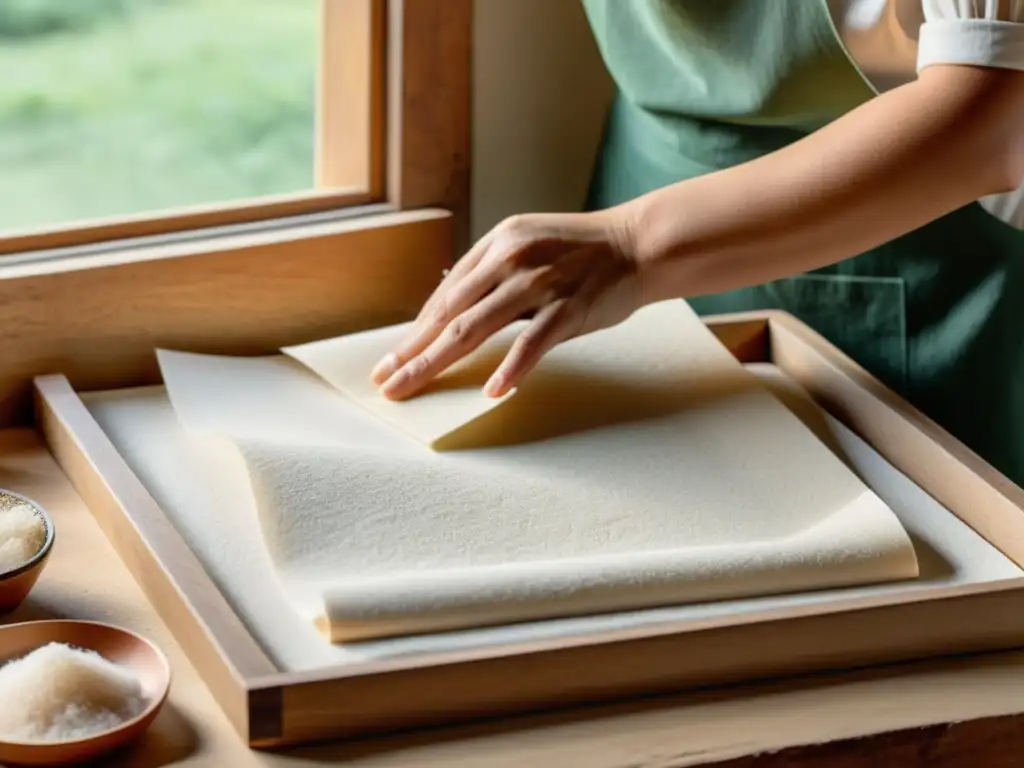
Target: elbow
[[1009, 146], [1006, 172], [1015, 132], [1015, 162], [999, 122], [1003, 113], [984, 111]]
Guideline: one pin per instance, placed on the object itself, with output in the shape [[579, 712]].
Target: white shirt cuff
[[974, 42]]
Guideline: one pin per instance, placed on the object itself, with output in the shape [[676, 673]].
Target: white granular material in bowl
[[22, 535], [58, 693]]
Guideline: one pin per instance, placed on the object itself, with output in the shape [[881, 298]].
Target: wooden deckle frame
[[270, 707]]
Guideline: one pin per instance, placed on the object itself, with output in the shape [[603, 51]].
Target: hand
[[573, 273]]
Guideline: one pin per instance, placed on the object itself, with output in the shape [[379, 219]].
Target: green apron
[[938, 314]]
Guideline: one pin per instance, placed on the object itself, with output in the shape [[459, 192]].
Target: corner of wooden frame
[[213, 637], [744, 334], [265, 721]]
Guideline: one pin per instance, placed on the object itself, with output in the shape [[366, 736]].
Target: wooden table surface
[[943, 713]]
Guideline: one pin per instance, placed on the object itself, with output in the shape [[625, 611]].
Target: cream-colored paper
[[638, 467], [453, 400], [214, 511]]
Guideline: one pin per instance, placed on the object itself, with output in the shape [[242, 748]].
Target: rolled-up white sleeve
[[985, 33]]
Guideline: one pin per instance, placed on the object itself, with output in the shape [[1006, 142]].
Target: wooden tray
[[270, 707]]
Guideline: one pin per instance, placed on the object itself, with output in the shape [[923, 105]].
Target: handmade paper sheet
[[636, 467], [214, 511], [453, 401]]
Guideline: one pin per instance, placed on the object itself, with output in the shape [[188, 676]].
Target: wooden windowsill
[[97, 317], [182, 220]]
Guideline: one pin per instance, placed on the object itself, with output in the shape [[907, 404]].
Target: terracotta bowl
[[15, 585], [116, 645]]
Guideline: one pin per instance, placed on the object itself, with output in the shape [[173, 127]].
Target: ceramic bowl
[[15, 585], [117, 645]]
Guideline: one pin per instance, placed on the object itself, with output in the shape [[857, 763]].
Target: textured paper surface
[[639, 467], [214, 511], [452, 401]]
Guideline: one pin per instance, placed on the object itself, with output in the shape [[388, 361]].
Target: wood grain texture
[[97, 320], [351, 96], [429, 116]]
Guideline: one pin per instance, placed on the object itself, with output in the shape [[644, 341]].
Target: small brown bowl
[[15, 585], [112, 643]]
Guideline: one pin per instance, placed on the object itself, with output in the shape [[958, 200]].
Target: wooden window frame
[[392, 129]]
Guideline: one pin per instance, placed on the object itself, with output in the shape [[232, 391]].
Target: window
[[132, 118]]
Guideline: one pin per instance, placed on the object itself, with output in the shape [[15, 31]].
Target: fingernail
[[493, 385], [384, 369], [392, 386]]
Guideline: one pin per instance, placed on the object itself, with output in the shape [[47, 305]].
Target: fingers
[[460, 269], [438, 311], [465, 333], [555, 323], [445, 318], [509, 274], [551, 326]]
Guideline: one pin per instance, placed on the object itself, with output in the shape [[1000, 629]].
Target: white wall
[[540, 92]]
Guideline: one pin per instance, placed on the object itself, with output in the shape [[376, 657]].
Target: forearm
[[896, 163]]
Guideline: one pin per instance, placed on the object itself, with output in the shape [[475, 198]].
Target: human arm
[[896, 163]]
